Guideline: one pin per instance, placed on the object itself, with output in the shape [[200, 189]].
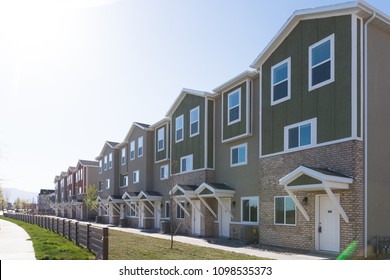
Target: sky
[[75, 73]]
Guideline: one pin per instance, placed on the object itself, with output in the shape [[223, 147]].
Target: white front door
[[328, 224], [224, 217], [196, 218]]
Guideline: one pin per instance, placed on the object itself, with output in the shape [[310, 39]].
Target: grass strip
[[49, 245], [129, 246]]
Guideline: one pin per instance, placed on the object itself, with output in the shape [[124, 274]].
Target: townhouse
[[322, 145]]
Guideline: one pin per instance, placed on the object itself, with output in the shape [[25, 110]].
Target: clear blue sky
[[75, 73]]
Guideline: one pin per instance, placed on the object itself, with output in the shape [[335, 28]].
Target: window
[[132, 150], [100, 166], [110, 161], [160, 139], [285, 213], [100, 186], [238, 155], [133, 209], [123, 158], [179, 128], [81, 174], [234, 110], [194, 122], [321, 63], [80, 190], [105, 162], [164, 172], [69, 193], [167, 209], [250, 209], [303, 134], [280, 82], [179, 210], [136, 177], [186, 163], [123, 180], [107, 183], [140, 146]]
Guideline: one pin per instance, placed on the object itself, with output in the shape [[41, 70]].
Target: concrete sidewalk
[[14, 242], [231, 246]]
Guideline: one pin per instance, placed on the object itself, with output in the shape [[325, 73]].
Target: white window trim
[[110, 161], [197, 133], [105, 163], [161, 167], [123, 157], [127, 183], [100, 166], [182, 138], [239, 107], [132, 149], [284, 224], [181, 209], [137, 177], [107, 183], [192, 163], [313, 138], [242, 208], [332, 63], [134, 204], [246, 155], [140, 143], [288, 61], [163, 139]]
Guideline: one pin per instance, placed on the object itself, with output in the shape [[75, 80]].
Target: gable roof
[[142, 126], [235, 81], [359, 8], [110, 144], [87, 163], [184, 92]]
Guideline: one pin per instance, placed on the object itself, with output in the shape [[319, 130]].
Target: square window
[[250, 209], [238, 155], [321, 63], [179, 128], [284, 211], [160, 139], [164, 172], [280, 85], [186, 163], [123, 180], [234, 107], [194, 122], [303, 134]]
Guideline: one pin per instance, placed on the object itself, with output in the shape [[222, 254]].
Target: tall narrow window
[[194, 122], [123, 158], [280, 82], [234, 106], [167, 209], [105, 162], [160, 139], [321, 63], [100, 166], [179, 128], [110, 161], [284, 212], [136, 177], [164, 172], [179, 210], [107, 183], [140, 146], [132, 150], [300, 135]]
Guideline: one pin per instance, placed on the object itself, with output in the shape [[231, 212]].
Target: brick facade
[[345, 158]]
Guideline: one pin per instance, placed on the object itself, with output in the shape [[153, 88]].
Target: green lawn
[[52, 246], [128, 246]]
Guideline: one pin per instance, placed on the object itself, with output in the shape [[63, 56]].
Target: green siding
[[330, 104], [304, 180], [190, 145], [239, 128], [210, 133]]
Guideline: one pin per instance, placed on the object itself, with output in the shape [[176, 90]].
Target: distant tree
[[91, 199], [3, 199], [18, 203]]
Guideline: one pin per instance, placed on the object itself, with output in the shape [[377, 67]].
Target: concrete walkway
[[231, 246], [14, 242]]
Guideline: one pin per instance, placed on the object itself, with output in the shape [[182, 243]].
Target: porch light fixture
[[234, 204], [304, 201]]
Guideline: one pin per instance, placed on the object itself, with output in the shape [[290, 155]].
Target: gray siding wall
[[378, 132], [112, 174], [92, 176], [162, 154]]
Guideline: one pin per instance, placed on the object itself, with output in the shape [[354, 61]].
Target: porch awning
[[314, 179], [115, 201], [150, 197], [185, 192]]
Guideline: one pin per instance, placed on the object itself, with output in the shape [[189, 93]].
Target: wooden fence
[[95, 239]]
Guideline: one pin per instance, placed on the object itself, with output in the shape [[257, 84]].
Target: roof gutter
[[365, 78]]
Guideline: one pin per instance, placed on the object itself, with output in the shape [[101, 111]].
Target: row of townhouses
[[293, 153]]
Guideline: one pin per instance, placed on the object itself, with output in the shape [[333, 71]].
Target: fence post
[[88, 229], [69, 230], [76, 225], [105, 244], [63, 227]]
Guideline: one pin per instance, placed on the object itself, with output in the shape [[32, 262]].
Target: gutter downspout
[[365, 78]]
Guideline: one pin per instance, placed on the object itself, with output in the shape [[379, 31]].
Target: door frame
[[317, 220], [195, 213], [221, 212]]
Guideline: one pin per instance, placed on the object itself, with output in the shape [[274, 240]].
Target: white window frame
[[132, 150], [161, 138], [100, 166], [313, 137], [105, 163], [187, 158], [196, 121], [230, 108], [140, 150], [110, 161], [246, 155], [331, 59], [242, 209], [107, 183], [288, 61], [167, 213], [127, 180], [284, 222], [123, 158], [182, 128], [180, 210], [136, 179], [134, 204], [166, 173]]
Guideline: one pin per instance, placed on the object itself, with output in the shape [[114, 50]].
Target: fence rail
[[95, 239]]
